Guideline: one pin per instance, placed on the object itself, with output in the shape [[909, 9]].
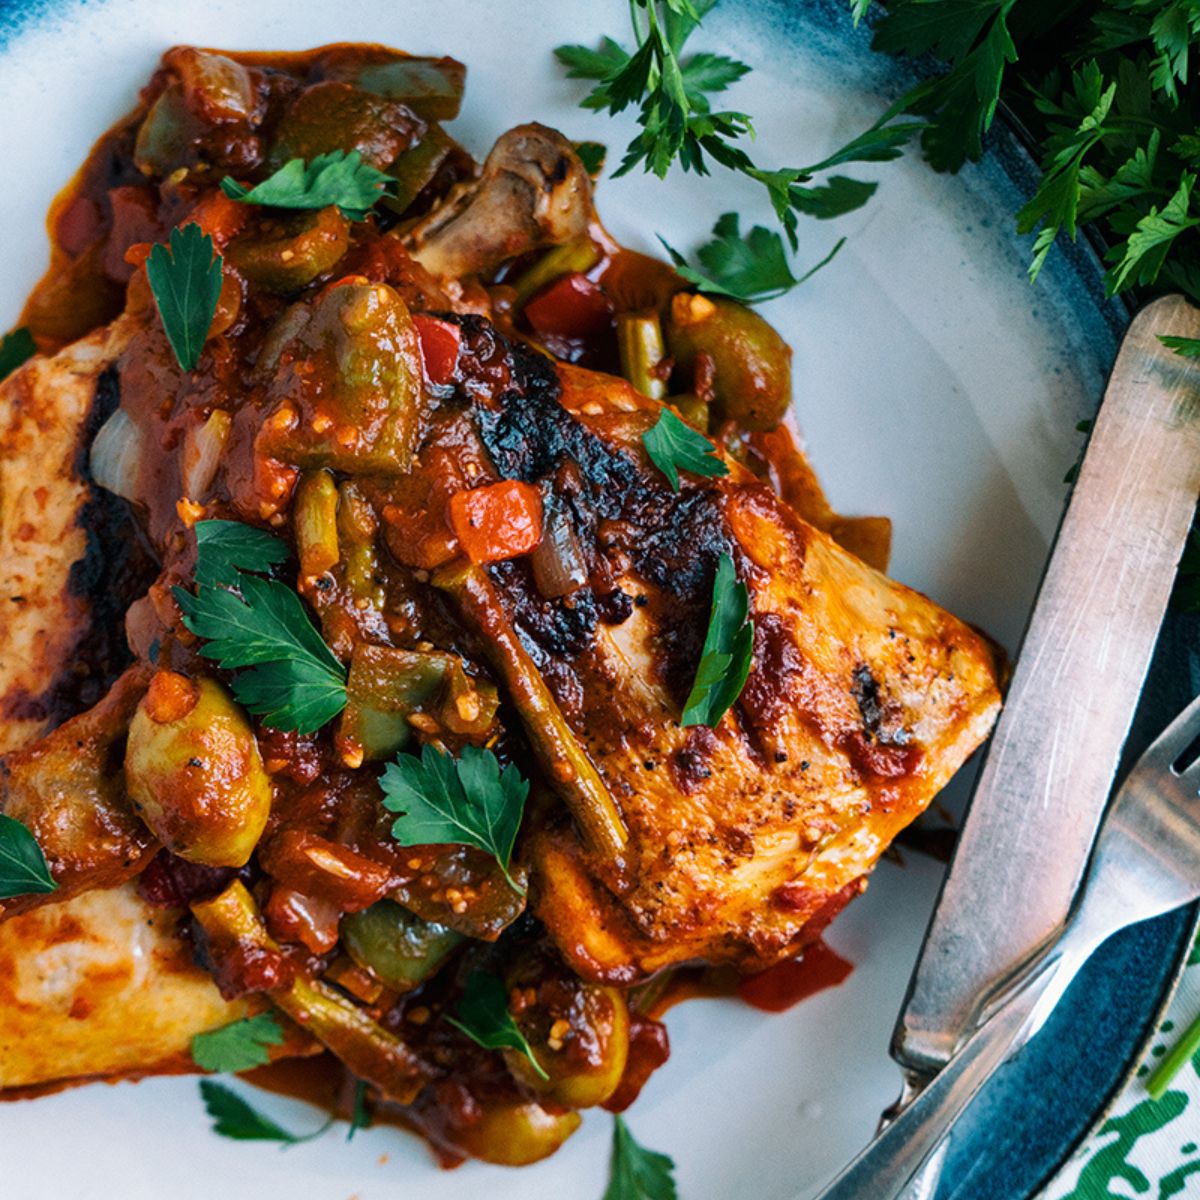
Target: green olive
[[194, 773], [291, 249], [431, 87], [579, 1034], [515, 1134], [336, 116], [395, 945], [751, 363], [347, 390], [166, 133]]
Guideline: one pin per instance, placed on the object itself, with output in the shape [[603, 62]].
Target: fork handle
[[887, 1167]]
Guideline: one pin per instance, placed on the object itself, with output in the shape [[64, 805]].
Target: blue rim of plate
[[1026, 1125], [1039, 1109]]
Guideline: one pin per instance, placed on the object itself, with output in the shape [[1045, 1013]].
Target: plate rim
[[1008, 145]]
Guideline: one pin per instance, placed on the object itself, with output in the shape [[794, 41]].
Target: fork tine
[[1173, 741]]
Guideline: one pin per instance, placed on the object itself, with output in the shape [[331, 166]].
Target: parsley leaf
[[186, 281], [360, 1114], [960, 105], [637, 1173], [711, 72], [467, 800], [1055, 205], [672, 444], [1141, 258], [1186, 347], [678, 123], [23, 869], [16, 348], [728, 651], [294, 681], [484, 1017], [748, 269], [592, 155], [235, 1118], [881, 143], [237, 1046], [226, 547], [339, 177]]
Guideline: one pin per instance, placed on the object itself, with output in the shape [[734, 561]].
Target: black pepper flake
[[804, 765]]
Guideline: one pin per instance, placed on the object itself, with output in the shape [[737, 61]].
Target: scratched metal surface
[[1051, 763]]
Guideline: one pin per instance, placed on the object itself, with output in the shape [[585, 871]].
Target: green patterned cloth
[[1146, 1148]]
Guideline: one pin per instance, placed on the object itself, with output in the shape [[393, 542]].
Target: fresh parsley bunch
[[1109, 90], [1106, 88]]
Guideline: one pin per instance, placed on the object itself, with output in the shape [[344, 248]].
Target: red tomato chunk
[[439, 341], [502, 520], [571, 307]]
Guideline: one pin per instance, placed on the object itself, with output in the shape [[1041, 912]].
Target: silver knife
[[1051, 762]]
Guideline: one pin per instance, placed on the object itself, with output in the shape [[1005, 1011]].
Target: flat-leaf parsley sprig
[[185, 276], [467, 800], [236, 1118], [749, 269], [635, 1171], [259, 627], [728, 651], [23, 867], [239, 1045], [340, 178], [484, 1017], [673, 445], [679, 123]]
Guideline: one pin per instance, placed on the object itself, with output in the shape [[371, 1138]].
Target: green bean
[[316, 523], [357, 526], [640, 342], [576, 256], [231, 920], [565, 761]]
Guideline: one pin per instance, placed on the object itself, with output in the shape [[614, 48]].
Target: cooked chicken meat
[[350, 648]]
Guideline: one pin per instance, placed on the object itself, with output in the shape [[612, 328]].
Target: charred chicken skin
[[434, 409]]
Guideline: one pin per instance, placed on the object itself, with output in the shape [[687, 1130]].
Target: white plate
[[934, 386]]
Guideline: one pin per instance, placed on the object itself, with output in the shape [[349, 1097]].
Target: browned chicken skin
[[863, 698]]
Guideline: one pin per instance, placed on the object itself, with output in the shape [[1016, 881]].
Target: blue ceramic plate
[[934, 385]]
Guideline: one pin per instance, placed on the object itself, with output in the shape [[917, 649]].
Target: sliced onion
[[558, 566], [202, 450], [116, 456]]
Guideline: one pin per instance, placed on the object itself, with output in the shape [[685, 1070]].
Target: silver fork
[[1146, 862]]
